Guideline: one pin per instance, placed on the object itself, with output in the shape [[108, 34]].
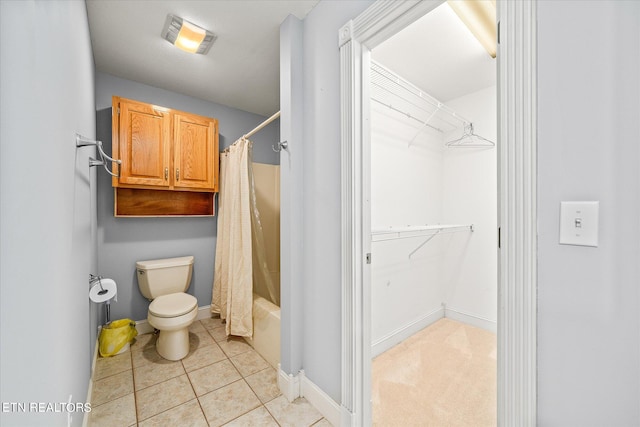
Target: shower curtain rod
[[261, 125]]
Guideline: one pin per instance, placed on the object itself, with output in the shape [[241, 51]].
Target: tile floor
[[220, 382]]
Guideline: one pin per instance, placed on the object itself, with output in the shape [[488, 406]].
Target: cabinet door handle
[[166, 174], [177, 174]]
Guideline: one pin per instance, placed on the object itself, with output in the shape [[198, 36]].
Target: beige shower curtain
[[233, 283], [240, 248]]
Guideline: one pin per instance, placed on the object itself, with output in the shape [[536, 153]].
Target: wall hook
[[282, 145]]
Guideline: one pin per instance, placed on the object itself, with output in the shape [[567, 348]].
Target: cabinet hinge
[[499, 237], [368, 258]]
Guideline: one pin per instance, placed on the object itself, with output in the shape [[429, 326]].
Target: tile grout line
[[196, 394], [228, 358], [135, 392], [135, 395]]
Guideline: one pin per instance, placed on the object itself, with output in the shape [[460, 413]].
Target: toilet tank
[[158, 277]]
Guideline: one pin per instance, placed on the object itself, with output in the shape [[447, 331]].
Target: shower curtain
[[240, 242]]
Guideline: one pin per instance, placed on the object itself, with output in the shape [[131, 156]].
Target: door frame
[[517, 211]]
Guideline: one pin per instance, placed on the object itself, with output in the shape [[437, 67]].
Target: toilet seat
[[173, 305]]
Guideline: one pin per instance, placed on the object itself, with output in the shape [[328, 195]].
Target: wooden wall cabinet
[[163, 150]]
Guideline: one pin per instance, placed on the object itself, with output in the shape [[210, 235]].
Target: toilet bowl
[[172, 315], [171, 311]]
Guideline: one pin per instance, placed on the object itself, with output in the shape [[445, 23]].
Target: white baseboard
[[143, 326], [347, 417], [288, 384], [85, 418], [320, 400], [385, 343], [470, 319], [293, 387]]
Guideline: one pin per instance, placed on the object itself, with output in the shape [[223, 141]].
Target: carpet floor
[[445, 375]]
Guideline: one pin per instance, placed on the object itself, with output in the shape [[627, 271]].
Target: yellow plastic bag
[[116, 335]]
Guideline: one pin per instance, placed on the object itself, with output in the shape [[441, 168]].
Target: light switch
[[579, 223]]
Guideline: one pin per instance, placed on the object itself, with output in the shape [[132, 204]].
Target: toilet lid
[[173, 305]]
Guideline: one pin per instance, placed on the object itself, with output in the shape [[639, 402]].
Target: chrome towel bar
[[82, 141]]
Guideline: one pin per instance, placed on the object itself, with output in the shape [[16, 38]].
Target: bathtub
[[266, 330]]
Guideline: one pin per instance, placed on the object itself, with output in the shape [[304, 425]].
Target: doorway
[[516, 204], [433, 225]]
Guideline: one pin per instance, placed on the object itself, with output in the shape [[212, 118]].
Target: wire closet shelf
[[412, 232], [421, 109]]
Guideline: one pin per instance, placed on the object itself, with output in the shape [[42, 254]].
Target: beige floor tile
[[323, 423], [112, 387], [297, 413], [107, 366], [151, 373], [118, 412], [202, 356], [264, 384], [196, 326], [249, 362], [219, 333], [259, 417], [200, 339], [213, 377], [188, 414], [144, 341], [160, 397], [148, 355], [233, 346], [212, 323], [227, 403]]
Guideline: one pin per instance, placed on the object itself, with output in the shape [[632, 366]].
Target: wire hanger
[[470, 139]]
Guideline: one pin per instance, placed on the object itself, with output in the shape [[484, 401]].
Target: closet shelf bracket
[[412, 232], [442, 230], [426, 123]]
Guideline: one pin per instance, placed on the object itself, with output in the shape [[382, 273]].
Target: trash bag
[[116, 335]]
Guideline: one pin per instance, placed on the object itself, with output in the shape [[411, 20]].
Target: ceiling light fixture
[[187, 35], [480, 18]]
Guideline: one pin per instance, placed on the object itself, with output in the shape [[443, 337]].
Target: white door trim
[[517, 204]]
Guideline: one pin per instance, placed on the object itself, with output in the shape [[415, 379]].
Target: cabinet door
[[144, 144], [195, 145]]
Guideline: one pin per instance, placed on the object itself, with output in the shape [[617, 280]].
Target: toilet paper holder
[[93, 279]]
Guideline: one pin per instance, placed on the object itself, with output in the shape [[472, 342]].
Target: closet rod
[[423, 123], [436, 108], [412, 89], [417, 231], [261, 125]]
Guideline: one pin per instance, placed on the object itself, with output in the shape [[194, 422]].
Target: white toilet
[[172, 311]]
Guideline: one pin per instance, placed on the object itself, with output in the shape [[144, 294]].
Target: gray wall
[[589, 149], [47, 325], [291, 192], [321, 276], [589, 322], [123, 241]]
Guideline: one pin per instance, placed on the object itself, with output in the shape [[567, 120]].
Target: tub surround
[[266, 330]]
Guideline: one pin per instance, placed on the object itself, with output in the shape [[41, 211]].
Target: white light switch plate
[[579, 223]]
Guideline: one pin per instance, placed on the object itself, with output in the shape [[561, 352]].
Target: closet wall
[[470, 266], [426, 183]]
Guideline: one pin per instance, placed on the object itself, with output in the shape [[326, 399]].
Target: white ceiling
[[241, 70], [439, 54]]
